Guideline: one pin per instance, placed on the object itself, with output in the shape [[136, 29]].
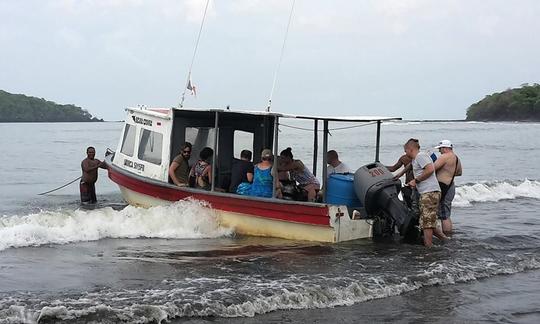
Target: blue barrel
[[340, 190]]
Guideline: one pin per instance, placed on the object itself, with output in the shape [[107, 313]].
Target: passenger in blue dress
[[263, 181]]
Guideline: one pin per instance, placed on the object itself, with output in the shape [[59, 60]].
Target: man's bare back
[[446, 166]]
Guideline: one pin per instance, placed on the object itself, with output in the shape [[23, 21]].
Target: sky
[[416, 59]]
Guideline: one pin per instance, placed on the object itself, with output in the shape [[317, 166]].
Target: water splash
[[183, 219], [496, 191]]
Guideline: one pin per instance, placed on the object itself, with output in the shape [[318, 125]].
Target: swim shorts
[[445, 207], [429, 205]]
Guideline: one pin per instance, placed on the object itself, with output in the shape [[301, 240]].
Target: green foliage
[[521, 104], [21, 108]]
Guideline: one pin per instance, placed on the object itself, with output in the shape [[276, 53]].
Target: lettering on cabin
[[376, 172], [142, 121], [134, 165]]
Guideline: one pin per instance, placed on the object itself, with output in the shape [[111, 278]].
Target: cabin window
[[128, 143], [200, 137], [150, 146], [242, 141]]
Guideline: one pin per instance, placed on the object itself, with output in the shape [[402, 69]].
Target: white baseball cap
[[444, 143]]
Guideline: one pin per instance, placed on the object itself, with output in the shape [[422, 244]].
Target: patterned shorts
[[429, 205]]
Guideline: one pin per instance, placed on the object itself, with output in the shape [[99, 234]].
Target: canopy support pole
[[216, 149], [324, 159], [315, 145], [378, 144], [275, 175]]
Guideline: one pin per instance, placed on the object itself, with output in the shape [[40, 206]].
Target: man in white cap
[[447, 167]]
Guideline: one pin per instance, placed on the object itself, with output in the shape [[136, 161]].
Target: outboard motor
[[378, 192]]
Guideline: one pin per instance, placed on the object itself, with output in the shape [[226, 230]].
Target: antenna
[[188, 81], [280, 58]]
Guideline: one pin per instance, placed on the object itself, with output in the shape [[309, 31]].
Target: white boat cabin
[[151, 138]]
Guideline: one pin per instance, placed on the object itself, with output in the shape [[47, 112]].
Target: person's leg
[[447, 226], [429, 203], [311, 191], [92, 191], [85, 196], [428, 234], [407, 192], [446, 210]]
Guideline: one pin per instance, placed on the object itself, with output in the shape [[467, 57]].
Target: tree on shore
[[519, 104], [21, 108]]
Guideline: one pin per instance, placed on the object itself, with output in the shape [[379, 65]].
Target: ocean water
[[116, 263]]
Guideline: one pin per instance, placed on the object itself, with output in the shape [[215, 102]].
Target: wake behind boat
[[351, 207]]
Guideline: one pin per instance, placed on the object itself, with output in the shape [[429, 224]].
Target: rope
[[330, 129], [280, 58], [194, 54], [67, 184]]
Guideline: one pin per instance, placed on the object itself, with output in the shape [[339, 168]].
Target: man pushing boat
[[90, 167]]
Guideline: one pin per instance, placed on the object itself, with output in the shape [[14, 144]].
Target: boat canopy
[[358, 119], [262, 124]]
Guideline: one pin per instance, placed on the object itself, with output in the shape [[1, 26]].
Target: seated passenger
[[241, 174], [179, 169], [263, 181], [335, 165], [299, 173], [202, 170]]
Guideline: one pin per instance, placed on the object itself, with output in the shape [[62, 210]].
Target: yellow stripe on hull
[[339, 228]]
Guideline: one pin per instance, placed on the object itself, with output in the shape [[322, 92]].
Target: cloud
[[189, 11], [249, 7], [70, 38]]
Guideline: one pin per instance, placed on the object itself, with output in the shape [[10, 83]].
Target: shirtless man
[[405, 162], [90, 167], [447, 167]]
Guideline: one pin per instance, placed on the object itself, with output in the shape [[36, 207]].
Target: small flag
[[191, 87]]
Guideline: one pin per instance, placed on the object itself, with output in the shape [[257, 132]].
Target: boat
[[150, 140]]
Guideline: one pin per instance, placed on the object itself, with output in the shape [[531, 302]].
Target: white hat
[[444, 143]]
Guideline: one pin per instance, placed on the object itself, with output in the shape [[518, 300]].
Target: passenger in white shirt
[[335, 165]]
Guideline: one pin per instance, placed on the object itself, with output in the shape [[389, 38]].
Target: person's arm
[[459, 170], [286, 167], [209, 173], [249, 177], [87, 166], [426, 173], [298, 166], [402, 172], [396, 166], [172, 168], [103, 165], [440, 162]]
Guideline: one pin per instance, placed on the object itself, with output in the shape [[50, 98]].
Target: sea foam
[[495, 191], [183, 219]]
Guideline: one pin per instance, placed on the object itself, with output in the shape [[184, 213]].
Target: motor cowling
[[378, 192]]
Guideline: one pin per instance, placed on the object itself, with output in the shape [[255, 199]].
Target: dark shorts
[[88, 193], [445, 206]]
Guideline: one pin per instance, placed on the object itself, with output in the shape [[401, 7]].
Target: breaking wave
[[496, 191], [249, 296], [183, 219]]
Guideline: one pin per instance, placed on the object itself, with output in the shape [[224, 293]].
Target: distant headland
[[20, 108], [519, 104]]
